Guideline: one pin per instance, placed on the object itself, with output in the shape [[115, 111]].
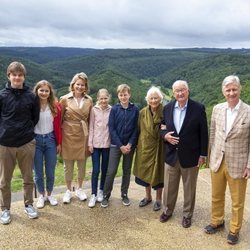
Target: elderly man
[[186, 136], [229, 157]]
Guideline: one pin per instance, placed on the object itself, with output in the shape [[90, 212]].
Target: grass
[[17, 181]]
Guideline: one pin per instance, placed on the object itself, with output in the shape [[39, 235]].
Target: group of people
[[169, 143]]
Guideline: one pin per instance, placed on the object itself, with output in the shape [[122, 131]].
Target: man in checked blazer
[[186, 137], [229, 157]]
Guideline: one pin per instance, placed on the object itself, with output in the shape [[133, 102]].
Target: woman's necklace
[[44, 106]]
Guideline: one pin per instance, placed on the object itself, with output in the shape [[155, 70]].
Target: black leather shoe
[[144, 202], [165, 217], [186, 222]]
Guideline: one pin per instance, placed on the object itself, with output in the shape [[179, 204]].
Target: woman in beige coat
[[76, 107]]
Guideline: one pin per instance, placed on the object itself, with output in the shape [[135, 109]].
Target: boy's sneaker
[[81, 195], [125, 200], [105, 202], [31, 212], [92, 200], [67, 197], [40, 202], [99, 197], [52, 200], [5, 217]]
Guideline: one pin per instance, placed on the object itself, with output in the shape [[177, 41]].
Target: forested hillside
[[204, 69]]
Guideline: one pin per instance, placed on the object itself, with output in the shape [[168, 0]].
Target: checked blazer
[[235, 146]]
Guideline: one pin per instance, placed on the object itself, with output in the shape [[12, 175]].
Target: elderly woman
[[76, 107], [149, 160]]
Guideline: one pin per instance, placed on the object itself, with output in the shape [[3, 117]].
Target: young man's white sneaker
[[67, 197], [99, 197], [5, 217], [40, 202], [92, 201], [52, 200], [81, 195], [31, 212]]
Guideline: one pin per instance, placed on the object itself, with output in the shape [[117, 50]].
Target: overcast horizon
[[159, 24]]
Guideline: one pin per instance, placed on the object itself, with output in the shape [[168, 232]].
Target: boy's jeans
[[45, 153], [97, 162], [114, 159]]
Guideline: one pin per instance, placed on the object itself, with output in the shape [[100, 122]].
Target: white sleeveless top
[[45, 123]]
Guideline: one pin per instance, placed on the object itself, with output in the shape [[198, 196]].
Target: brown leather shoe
[[186, 222], [165, 217]]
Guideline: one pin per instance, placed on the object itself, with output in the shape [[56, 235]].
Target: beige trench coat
[[75, 127]]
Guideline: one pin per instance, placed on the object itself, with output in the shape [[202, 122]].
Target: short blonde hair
[[123, 88], [16, 67], [76, 77], [154, 90]]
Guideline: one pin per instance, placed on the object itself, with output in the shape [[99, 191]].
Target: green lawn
[[17, 182]]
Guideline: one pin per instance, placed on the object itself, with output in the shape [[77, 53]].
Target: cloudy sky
[[125, 23]]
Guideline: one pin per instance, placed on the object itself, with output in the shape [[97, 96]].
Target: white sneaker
[[92, 201], [5, 217], [81, 195], [31, 212], [67, 197], [40, 202], [99, 196], [52, 200]]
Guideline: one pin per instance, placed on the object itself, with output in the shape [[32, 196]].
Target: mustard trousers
[[237, 188]]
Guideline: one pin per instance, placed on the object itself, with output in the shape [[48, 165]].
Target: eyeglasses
[[180, 91]]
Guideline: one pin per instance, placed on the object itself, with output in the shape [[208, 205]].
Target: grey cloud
[[125, 23]]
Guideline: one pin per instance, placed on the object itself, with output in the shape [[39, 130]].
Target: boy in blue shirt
[[123, 132]]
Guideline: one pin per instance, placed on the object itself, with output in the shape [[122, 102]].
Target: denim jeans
[[114, 159], [45, 155], [100, 157]]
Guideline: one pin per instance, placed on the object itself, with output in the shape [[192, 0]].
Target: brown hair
[[16, 67], [51, 98]]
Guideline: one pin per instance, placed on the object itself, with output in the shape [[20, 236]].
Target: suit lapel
[[238, 117], [172, 115]]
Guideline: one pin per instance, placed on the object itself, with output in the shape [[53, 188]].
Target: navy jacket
[[193, 135], [19, 113], [123, 125]]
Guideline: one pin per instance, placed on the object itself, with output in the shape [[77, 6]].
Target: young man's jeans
[[45, 153], [24, 155], [114, 159], [100, 158]]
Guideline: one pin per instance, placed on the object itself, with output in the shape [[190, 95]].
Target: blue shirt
[[179, 115]]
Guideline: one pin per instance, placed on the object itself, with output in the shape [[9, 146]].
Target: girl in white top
[[48, 142], [99, 143]]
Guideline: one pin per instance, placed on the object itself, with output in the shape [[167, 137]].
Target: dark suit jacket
[[193, 135]]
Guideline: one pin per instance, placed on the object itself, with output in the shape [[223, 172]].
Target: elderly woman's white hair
[[230, 79], [154, 90]]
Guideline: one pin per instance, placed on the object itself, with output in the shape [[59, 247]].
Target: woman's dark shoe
[[144, 202], [211, 229]]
